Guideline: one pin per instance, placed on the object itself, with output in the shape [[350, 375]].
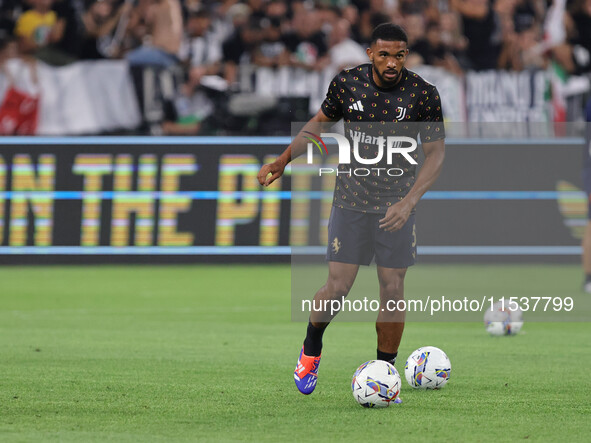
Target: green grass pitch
[[187, 353]]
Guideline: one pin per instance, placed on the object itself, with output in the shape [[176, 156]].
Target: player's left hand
[[396, 216]]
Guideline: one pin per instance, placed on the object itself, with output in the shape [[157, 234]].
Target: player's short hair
[[388, 32]]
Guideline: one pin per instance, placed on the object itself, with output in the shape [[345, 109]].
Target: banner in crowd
[[488, 96], [98, 96], [82, 98], [500, 96]]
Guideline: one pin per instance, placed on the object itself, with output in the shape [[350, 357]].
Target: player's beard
[[384, 81]]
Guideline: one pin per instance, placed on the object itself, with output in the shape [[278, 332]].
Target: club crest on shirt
[[336, 245], [400, 113]]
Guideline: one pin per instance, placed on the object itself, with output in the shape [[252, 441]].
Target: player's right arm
[[272, 171]]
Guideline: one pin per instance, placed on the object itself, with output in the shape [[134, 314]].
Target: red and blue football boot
[[306, 373]]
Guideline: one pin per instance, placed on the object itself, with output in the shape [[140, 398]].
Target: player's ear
[[369, 53]]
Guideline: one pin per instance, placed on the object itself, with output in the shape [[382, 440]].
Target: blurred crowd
[[214, 38]]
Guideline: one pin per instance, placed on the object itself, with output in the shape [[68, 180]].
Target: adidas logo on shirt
[[357, 106]]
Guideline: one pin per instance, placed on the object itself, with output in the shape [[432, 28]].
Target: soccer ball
[[427, 368], [375, 384], [502, 320]]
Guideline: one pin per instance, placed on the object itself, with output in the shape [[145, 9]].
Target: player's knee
[[338, 288], [393, 289]]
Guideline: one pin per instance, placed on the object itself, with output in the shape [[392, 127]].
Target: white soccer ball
[[502, 320], [427, 368], [375, 384]]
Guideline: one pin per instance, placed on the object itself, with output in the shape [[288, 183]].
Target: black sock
[[587, 278], [313, 341], [386, 356]]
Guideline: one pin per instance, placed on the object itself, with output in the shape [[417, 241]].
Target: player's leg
[[341, 277], [390, 321], [349, 245], [395, 252]]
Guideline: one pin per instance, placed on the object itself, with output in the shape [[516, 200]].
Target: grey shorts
[[355, 237]]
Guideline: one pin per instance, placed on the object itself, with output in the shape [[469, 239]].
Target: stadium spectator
[[451, 34], [9, 10], [575, 55], [529, 40], [482, 30], [163, 35], [202, 50], [239, 48], [411, 7], [8, 46], [272, 51], [509, 58], [416, 30], [228, 21], [521, 34], [582, 41], [427, 9], [37, 29], [104, 27], [434, 52], [344, 52], [307, 43], [277, 12], [387, 7], [328, 17], [415, 23], [67, 12], [351, 14], [257, 8], [297, 6], [527, 14], [136, 28], [276, 9], [366, 23]]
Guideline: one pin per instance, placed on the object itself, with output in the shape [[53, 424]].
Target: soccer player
[[374, 215]]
